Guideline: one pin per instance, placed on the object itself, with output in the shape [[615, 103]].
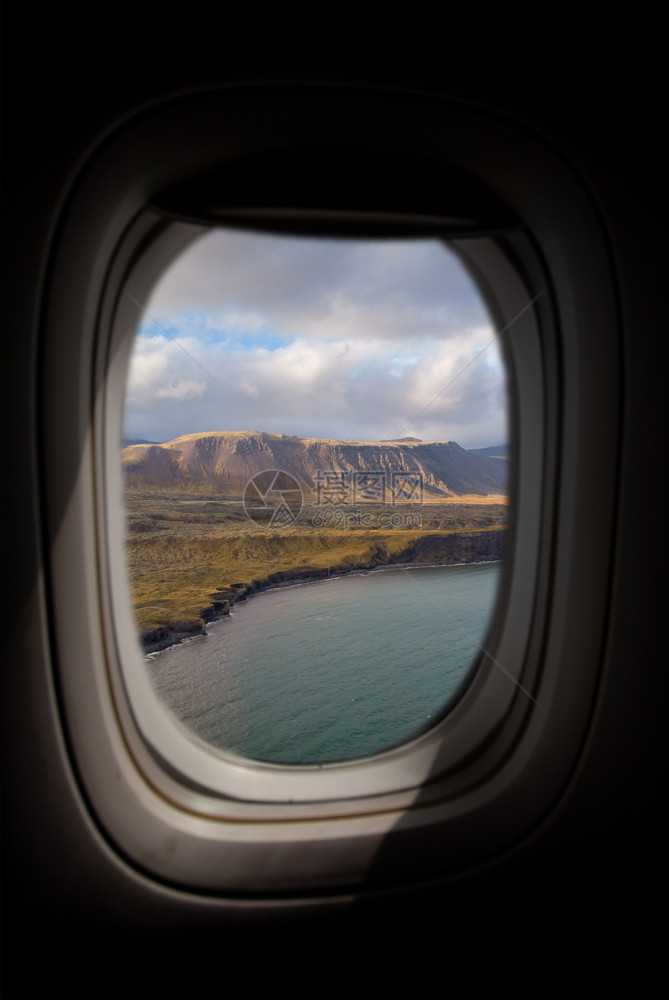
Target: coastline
[[168, 635]]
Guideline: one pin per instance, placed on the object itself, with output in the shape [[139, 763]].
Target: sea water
[[332, 670]]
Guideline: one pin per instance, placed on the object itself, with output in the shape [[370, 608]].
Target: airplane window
[[273, 448], [316, 480]]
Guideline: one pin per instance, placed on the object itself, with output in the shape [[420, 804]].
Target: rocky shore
[[437, 550]]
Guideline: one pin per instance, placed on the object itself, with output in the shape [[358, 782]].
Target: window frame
[[494, 766]]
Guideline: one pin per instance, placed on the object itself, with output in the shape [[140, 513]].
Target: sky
[[351, 340]]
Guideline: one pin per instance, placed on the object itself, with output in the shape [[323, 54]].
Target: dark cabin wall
[[78, 920]]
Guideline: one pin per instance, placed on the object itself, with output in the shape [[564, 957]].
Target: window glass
[[315, 478]]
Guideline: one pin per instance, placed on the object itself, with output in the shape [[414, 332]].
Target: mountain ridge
[[227, 460]]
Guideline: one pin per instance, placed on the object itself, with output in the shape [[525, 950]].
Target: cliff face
[[446, 549], [224, 461]]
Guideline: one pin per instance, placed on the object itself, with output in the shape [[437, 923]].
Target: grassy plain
[[183, 550]]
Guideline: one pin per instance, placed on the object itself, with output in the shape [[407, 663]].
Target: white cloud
[[327, 339], [181, 390]]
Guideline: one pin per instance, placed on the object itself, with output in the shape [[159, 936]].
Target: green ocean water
[[333, 670]]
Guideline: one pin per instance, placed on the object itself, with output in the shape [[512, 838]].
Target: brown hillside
[[224, 461]]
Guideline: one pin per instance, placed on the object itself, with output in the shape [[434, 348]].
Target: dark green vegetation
[[191, 556]]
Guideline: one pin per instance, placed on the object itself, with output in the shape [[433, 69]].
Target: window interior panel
[[490, 763]]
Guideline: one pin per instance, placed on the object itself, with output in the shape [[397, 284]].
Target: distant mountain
[[497, 451], [224, 462], [129, 441]]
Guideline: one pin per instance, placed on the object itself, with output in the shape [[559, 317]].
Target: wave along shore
[[461, 548]]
